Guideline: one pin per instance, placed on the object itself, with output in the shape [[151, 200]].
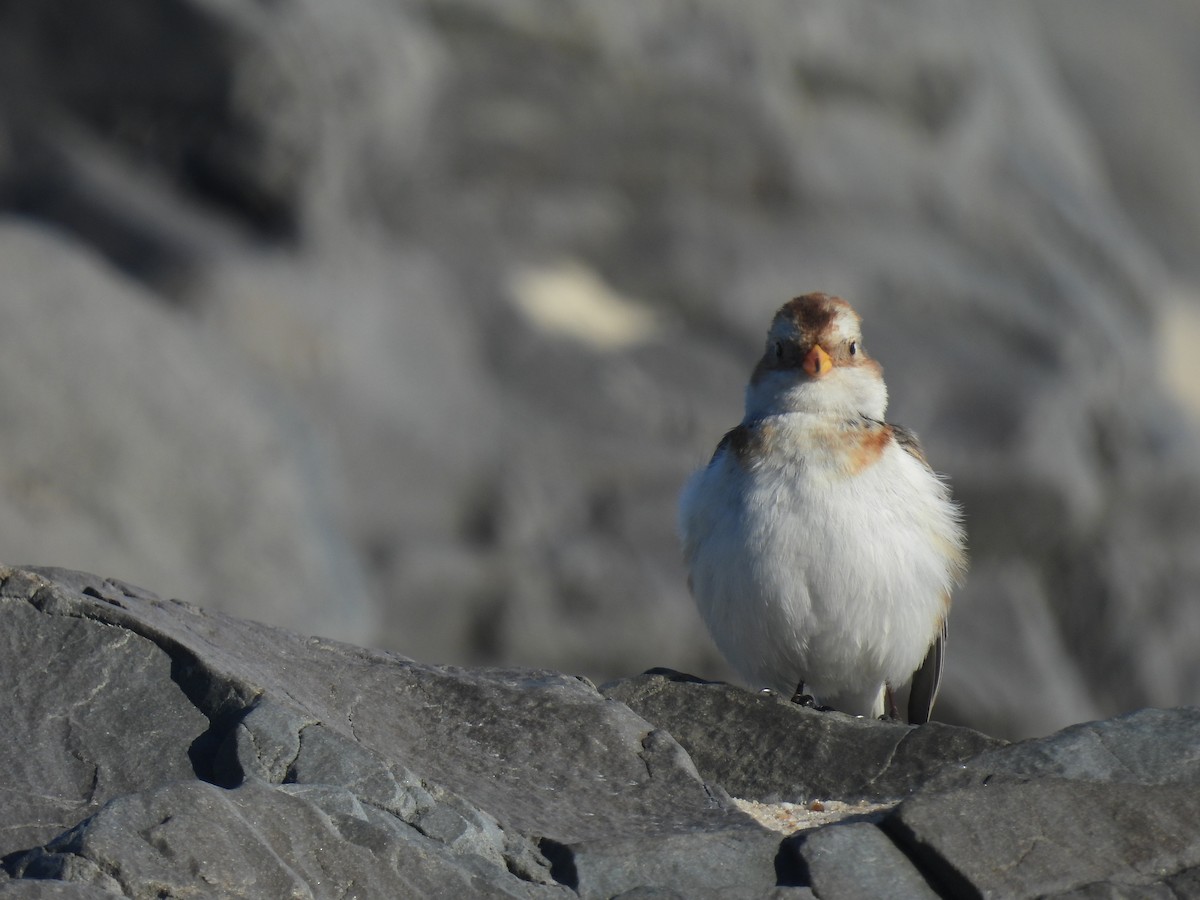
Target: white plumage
[[821, 548]]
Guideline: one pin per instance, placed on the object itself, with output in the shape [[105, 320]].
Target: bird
[[821, 548]]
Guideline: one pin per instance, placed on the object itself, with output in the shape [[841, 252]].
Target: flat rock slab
[[52, 890], [153, 749], [738, 862], [545, 749], [257, 840], [234, 745], [859, 860], [1018, 840], [1146, 747], [90, 713], [764, 747], [1111, 802]]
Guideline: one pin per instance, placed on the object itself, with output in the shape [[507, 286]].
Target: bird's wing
[[925, 681], [909, 442], [928, 677], [736, 441]]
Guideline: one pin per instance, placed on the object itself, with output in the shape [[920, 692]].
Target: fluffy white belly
[[805, 573]]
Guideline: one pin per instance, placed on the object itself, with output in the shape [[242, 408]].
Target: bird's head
[[814, 362]]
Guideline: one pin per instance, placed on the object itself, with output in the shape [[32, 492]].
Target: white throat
[[846, 392]]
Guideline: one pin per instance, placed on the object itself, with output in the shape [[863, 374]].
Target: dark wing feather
[[925, 681], [908, 442], [927, 678], [736, 441]]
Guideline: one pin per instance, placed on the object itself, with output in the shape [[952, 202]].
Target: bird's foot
[[802, 697], [809, 701]]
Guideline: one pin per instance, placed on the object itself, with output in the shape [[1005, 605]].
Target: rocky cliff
[[152, 749]]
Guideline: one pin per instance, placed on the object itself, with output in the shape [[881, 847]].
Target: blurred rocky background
[[403, 322]]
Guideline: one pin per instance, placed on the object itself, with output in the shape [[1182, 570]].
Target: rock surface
[[158, 750], [433, 304]]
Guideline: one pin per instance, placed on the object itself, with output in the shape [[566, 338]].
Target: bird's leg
[[802, 698], [890, 713], [806, 699]]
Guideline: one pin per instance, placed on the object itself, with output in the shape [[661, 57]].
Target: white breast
[[805, 573]]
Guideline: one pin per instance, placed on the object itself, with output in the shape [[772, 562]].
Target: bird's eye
[[853, 348], [779, 349]]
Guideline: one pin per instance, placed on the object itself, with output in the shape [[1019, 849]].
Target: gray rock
[[1150, 747], [91, 713], [1032, 838], [484, 734], [54, 890], [132, 405], [763, 747], [356, 755], [1144, 145], [843, 862], [1183, 884], [731, 862], [279, 765], [259, 841], [1096, 804]]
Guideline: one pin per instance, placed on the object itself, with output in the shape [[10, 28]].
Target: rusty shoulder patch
[[865, 446], [850, 449]]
